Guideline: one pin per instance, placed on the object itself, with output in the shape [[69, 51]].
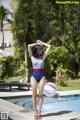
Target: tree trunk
[[26, 64], [2, 39]]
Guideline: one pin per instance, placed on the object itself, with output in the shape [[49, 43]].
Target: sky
[[6, 4]]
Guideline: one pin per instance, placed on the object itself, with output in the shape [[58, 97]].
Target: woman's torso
[[37, 63]]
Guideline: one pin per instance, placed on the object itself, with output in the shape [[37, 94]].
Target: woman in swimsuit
[[38, 76]]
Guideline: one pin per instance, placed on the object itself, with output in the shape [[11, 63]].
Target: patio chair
[[16, 84]]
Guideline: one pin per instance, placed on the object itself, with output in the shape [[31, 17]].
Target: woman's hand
[[39, 42]]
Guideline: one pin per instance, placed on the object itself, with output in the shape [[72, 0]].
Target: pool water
[[50, 104]]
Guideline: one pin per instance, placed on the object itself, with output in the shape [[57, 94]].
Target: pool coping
[[29, 93], [24, 114]]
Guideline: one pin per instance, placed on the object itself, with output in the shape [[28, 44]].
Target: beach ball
[[50, 89]]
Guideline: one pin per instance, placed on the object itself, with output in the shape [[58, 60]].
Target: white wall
[[8, 37]]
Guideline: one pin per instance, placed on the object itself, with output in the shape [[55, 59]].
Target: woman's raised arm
[[30, 48], [47, 49]]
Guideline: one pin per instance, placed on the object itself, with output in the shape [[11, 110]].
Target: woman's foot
[[39, 113], [35, 114]]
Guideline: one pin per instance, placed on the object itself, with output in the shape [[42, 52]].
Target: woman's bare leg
[[41, 88], [34, 94]]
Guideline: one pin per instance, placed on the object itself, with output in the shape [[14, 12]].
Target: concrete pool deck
[[16, 112]]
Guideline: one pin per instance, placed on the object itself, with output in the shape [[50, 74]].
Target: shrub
[[10, 66], [2, 67], [61, 76]]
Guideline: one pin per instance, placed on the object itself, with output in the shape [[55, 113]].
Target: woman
[[38, 76]]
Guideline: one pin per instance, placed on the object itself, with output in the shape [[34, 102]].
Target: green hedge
[[10, 66]]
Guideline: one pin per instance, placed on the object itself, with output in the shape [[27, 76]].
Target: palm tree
[[3, 14]]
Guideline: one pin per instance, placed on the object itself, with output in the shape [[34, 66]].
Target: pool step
[[14, 112]]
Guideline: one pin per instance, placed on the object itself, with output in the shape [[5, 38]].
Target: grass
[[71, 85]]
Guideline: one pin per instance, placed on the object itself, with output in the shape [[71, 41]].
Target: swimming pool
[[63, 103]]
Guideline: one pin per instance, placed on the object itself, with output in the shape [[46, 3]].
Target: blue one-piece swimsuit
[[38, 71]]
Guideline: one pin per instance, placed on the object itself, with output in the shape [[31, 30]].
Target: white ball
[[50, 89]]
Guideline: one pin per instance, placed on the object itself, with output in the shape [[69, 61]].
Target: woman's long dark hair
[[37, 52]]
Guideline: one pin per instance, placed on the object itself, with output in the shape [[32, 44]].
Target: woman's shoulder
[[33, 58]]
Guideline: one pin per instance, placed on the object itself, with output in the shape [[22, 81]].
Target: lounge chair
[[15, 83]]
